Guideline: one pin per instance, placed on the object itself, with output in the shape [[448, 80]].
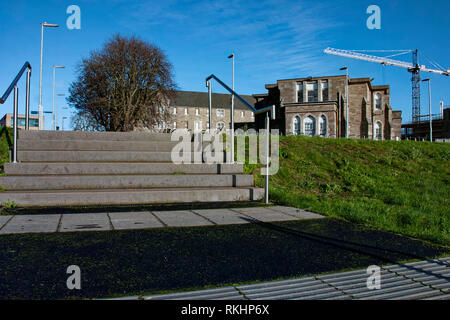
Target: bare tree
[[125, 85], [84, 122]]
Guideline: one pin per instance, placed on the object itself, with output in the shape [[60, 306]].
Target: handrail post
[[266, 185], [27, 101], [209, 103], [16, 102]]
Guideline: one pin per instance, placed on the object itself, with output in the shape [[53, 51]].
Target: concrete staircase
[[104, 168]]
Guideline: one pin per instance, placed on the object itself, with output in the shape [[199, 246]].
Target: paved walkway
[[147, 219], [424, 280]]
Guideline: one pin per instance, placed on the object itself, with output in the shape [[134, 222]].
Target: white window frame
[[315, 87], [313, 123], [377, 97], [323, 121], [220, 113], [299, 131], [378, 126]]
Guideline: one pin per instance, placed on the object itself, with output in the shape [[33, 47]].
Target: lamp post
[[232, 113], [53, 101], [429, 101], [346, 101], [41, 109]]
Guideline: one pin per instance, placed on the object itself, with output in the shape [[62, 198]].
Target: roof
[[200, 100]]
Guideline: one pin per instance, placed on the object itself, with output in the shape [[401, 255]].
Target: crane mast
[[415, 68], [415, 71]]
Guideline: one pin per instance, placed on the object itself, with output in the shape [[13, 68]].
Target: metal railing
[[13, 85], [267, 110]]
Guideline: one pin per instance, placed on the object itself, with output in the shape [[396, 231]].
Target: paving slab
[[85, 222], [32, 224], [3, 220], [299, 213], [223, 216], [181, 219], [134, 220], [265, 214]]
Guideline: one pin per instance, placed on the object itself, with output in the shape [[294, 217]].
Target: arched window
[[377, 99], [310, 126], [296, 126], [378, 131], [323, 126]]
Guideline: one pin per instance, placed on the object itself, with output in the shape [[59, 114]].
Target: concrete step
[[85, 135], [97, 156], [121, 197], [80, 168], [98, 145], [64, 182], [94, 145]]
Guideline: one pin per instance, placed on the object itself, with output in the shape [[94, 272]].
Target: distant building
[[8, 121], [190, 110], [421, 130], [316, 107]]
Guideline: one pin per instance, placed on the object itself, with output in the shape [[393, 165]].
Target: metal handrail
[[13, 85], [267, 110], [270, 109]]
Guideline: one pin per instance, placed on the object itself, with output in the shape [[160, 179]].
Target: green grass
[[401, 187], [113, 263], [6, 138]]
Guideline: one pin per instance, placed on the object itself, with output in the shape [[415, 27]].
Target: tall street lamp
[[429, 101], [53, 101], [232, 113], [346, 101], [41, 109]]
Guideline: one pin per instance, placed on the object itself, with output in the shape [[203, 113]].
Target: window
[[377, 99], [198, 126], [300, 93], [313, 93], [175, 125], [325, 90], [242, 114], [186, 124], [185, 112], [175, 110], [197, 111], [378, 131], [220, 113], [323, 126], [220, 126], [21, 122], [34, 123], [310, 126], [296, 126]]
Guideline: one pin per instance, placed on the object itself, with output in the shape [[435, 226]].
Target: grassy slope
[[6, 137], [402, 187]]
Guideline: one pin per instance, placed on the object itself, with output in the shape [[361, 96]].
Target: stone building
[[190, 110], [316, 107]]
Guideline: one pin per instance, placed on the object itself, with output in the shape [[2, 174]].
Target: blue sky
[[271, 39]]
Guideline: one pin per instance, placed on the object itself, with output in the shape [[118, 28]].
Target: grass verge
[[402, 187]]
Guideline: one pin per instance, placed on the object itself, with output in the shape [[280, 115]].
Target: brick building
[[8, 121], [316, 107], [190, 110]]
